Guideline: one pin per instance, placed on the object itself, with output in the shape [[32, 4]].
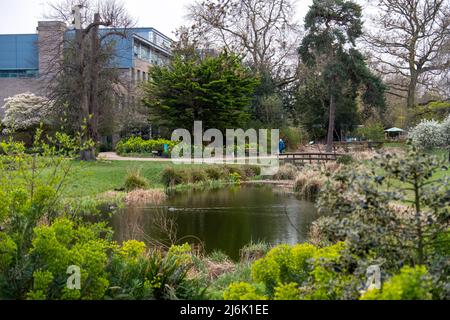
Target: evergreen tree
[[215, 90], [332, 27]]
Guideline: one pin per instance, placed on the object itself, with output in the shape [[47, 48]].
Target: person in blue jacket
[[282, 146]]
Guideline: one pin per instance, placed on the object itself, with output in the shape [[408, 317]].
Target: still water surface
[[223, 219]]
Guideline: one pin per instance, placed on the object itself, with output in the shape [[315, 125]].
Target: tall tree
[[262, 32], [408, 38], [332, 28], [85, 76], [215, 90]]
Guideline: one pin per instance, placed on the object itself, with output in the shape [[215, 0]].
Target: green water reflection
[[223, 219]]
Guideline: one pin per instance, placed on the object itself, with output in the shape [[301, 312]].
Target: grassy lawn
[[101, 176], [90, 179]]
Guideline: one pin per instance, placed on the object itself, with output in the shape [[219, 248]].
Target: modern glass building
[[20, 54]]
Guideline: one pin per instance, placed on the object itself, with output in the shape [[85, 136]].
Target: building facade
[[26, 58]]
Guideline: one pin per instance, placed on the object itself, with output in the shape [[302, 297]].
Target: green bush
[[216, 289], [243, 291], [282, 265], [64, 243], [136, 274], [134, 180], [11, 147], [410, 284], [287, 292], [304, 271], [139, 145], [345, 159], [371, 132]]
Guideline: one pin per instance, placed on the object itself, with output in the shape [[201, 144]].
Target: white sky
[[21, 16]]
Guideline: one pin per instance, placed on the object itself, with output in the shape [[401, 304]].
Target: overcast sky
[[21, 16]]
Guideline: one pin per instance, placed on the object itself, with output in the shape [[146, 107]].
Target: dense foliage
[[215, 90], [430, 134], [139, 145], [337, 72], [371, 132], [26, 111]]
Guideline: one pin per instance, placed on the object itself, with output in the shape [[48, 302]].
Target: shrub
[[171, 177], [8, 249], [283, 264], [428, 134], [410, 284], [287, 292], [134, 180], [360, 203], [135, 274], [445, 128], [63, 244], [371, 132], [27, 111], [304, 271], [346, 159], [218, 286], [243, 291], [139, 145], [11, 148]]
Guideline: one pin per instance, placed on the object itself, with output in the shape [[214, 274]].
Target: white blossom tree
[[26, 111], [430, 134]]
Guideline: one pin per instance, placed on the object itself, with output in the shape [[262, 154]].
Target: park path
[[112, 156]]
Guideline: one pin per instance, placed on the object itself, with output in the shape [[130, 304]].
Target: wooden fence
[[302, 158]]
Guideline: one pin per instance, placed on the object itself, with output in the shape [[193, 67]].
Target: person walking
[[282, 146]]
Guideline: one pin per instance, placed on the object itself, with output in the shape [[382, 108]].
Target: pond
[[222, 219]]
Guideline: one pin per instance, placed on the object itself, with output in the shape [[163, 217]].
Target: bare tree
[[83, 75], [408, 38], [263, 32]]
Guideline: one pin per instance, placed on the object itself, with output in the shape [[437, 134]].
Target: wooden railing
[[296, 158]]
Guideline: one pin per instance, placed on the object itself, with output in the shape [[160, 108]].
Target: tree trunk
[[92, 95], [412, 92], [85, 155], [331, 120]]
